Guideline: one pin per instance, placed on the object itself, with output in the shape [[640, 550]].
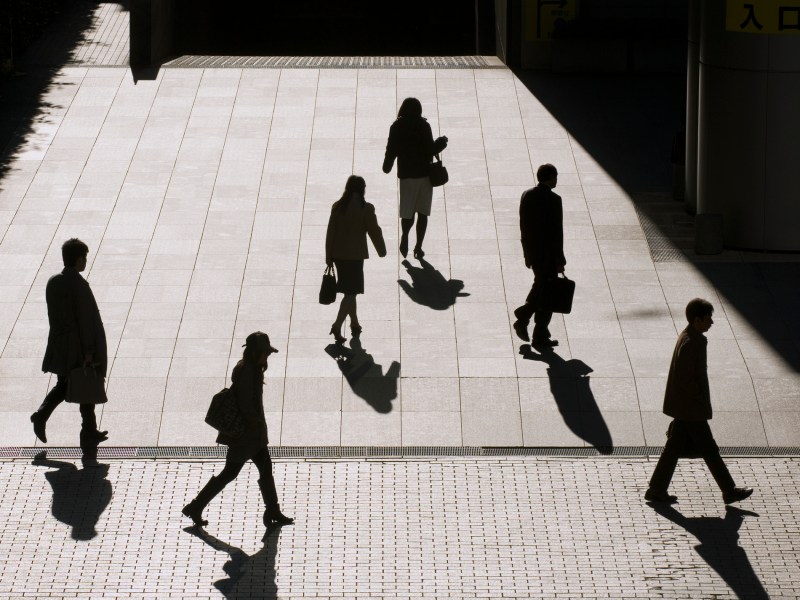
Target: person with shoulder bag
[[252, 443], [411, 143], [76, 349]]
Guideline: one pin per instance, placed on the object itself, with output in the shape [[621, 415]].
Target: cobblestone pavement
[[438, 528]]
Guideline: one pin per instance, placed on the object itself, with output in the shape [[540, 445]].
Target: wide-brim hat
[[259, 341]]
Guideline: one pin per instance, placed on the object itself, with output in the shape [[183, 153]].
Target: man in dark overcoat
[[77, 338], [542, 233], [687, 400]]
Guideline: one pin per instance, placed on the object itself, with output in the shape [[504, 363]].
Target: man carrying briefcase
[[542, 234]]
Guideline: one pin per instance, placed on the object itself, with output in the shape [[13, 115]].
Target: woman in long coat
[[411, 143], [252, 444], [352, 219]]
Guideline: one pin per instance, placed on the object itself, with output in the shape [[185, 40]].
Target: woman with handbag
[[251, 444], [411, 143], [352, 219]]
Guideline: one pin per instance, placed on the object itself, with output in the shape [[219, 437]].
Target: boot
[[272, 514], [194, 510], [39, 426]]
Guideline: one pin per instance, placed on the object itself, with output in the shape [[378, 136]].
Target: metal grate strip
[[344, 452], [336, 62]]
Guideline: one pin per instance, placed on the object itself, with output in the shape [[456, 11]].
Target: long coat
[[542, 229], [248, 389], [411, 143], [346, 237], [687, 396], [76, 328]]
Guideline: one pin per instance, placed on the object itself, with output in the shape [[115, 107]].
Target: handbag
[[224, 414], [327, 291], [437, 173], [86, 386], [556, 295]]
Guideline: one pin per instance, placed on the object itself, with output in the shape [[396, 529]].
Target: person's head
[[355, 186], [257, 349], [74, 253], [547, 174], [411, 107], [698, 314]]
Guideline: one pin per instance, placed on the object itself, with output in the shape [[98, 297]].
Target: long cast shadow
[[79, 495], [571, 388], [248, 576], [429, 288], [365, 376], [719, 547]]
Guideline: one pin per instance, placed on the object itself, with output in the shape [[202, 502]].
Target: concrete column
[[692, 85], [749, 130]]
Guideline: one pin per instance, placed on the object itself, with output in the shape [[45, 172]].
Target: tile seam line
[[200, 243], [300, 236]]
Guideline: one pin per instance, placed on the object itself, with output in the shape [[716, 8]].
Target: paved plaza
[[441, 528], [204, 194]]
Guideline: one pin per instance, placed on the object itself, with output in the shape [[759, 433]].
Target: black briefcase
[[556, 294]]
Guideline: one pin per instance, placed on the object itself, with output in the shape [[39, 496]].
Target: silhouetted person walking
[[542, 234], [252, 444], [352, 219], [687, 400], [411, 143], [76, 338]]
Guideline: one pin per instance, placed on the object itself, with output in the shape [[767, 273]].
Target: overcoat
[[346, 237], [248, 389], [411, 143], [542, 229], [687, 396], [76, 328]]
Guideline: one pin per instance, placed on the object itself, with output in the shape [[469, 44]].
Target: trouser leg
[[708, 449], [266, 482], [665, 468], [53, 398], [541, 320], [525, 312], [88, 435]]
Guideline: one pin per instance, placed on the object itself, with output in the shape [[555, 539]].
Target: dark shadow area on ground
[[79, 495], [719, 547], [23, 102], [365, 377], [628, 123], [571, 388], [429, 288], [248, 576]]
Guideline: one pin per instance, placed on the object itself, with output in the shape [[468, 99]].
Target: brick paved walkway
[[445, 528]]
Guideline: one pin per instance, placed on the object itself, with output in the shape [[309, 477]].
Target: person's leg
[[266, 483], [523, 315], [405, 227], [541, 318], [665, 468], [345, 307], [355, 326], [90, 437], [703, 441], [422, 227], [53, 398], [194, 510]]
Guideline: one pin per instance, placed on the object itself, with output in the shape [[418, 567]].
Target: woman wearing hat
[[352, 219], [248, 388]]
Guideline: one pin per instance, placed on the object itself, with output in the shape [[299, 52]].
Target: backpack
[[224, 414]]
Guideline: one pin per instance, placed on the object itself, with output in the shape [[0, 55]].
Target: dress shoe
[[736, 494], [404, 245], [98, 436], [39, 427], [544, 343], [340, 339], [652, 495], [521, 329], [276, 517]]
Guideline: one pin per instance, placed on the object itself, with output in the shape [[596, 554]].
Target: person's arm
[[374, 230], [244, 388], [558, 219], [329, 240], [391, 150], [439, 144], [85, 311]]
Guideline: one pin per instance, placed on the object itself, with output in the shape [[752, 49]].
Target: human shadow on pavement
[[719, 547], [79, 495], [365, 377], [248, 576], [571, 388], [429, 288]]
